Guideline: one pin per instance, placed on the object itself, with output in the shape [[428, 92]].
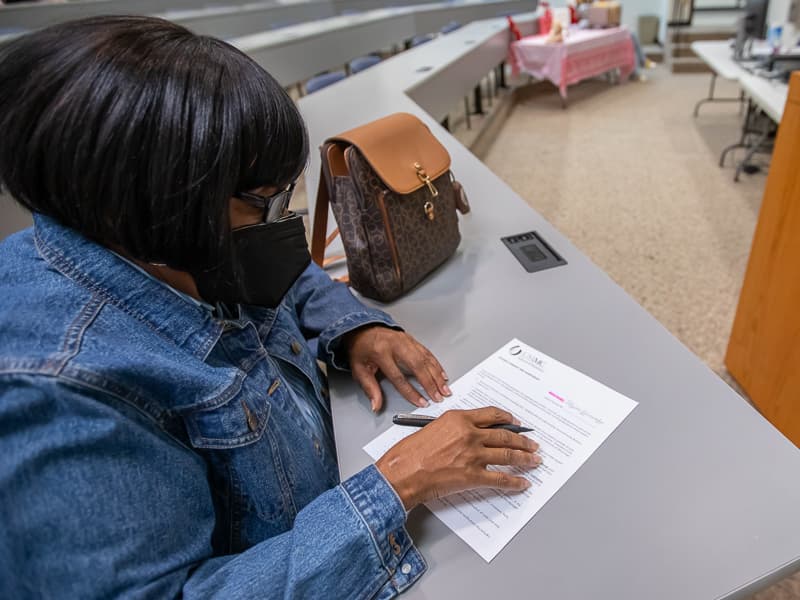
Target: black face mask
[[265, 261]]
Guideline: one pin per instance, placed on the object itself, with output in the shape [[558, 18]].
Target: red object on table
[[584, 53], [546, 20], [573, 14], [514, 29]]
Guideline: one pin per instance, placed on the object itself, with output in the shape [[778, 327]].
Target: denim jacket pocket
[[236, 423]]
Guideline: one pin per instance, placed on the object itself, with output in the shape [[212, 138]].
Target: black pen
[[422, 420]]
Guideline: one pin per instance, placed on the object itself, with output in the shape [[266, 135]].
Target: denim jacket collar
[[90, 265]]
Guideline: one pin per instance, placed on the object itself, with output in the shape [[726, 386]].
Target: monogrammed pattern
[[423, 244], [369, 188], [348, 216], [390, 252]]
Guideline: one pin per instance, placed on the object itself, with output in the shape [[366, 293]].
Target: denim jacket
[[149, 449]]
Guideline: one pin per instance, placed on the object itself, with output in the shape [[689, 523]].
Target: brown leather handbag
[[394, 199]]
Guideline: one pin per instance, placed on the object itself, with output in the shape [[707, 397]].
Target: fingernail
[[438, 397], [446, 378], [536, 460], [446, 389], [533, 446], [422, 402], [374, 405], [516, 421], [527, 484]]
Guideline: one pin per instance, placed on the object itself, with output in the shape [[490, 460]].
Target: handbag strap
[[319, 243], [320, 226]]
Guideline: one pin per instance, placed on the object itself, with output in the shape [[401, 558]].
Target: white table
[[694, 496], [770, 98], [769, 95], [718, 56]]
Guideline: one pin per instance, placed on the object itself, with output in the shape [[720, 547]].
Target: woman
[[164, 427]]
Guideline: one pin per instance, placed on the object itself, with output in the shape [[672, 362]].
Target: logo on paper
[[526, 357]]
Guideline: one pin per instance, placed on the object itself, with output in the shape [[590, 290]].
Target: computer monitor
[[752, 24], [755, 18]]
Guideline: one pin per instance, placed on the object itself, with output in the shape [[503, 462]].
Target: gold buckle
[[423, 177], [429, 210]]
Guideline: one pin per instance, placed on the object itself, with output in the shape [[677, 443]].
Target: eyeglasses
[[274, 206]]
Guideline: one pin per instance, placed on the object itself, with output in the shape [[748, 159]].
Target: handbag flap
[[401, 149]]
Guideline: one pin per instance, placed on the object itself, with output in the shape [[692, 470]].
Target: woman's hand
[[394, 353], [451, 454]]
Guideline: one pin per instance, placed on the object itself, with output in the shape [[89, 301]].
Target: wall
[[778, 11], [631, 10]]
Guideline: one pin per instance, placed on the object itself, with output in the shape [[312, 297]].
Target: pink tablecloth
[[584, 53]]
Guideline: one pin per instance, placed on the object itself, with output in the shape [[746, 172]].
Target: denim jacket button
[[296, 347], [406, 568], [275, 385], [396, 548]]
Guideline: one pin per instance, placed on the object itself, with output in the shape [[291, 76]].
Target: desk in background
[[232, 18], [299, 52], [584, 53], [769, 95], [34, 15], [255, 17], [719, 57], [694, 496], [232, 21], [762, 95]]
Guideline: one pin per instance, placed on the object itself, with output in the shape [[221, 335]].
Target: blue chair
[[450, 27], [418, 40], [362, 63], [322, 81]]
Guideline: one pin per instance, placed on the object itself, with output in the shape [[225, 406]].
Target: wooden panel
[[692, 66], [687, 36], [764, 350], [683, 52]]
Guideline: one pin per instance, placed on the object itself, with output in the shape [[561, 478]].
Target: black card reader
[[532, 251]]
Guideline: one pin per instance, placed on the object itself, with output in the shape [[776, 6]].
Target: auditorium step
[[678, 48]]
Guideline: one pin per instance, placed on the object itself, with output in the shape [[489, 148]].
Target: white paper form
[[570, 413]]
